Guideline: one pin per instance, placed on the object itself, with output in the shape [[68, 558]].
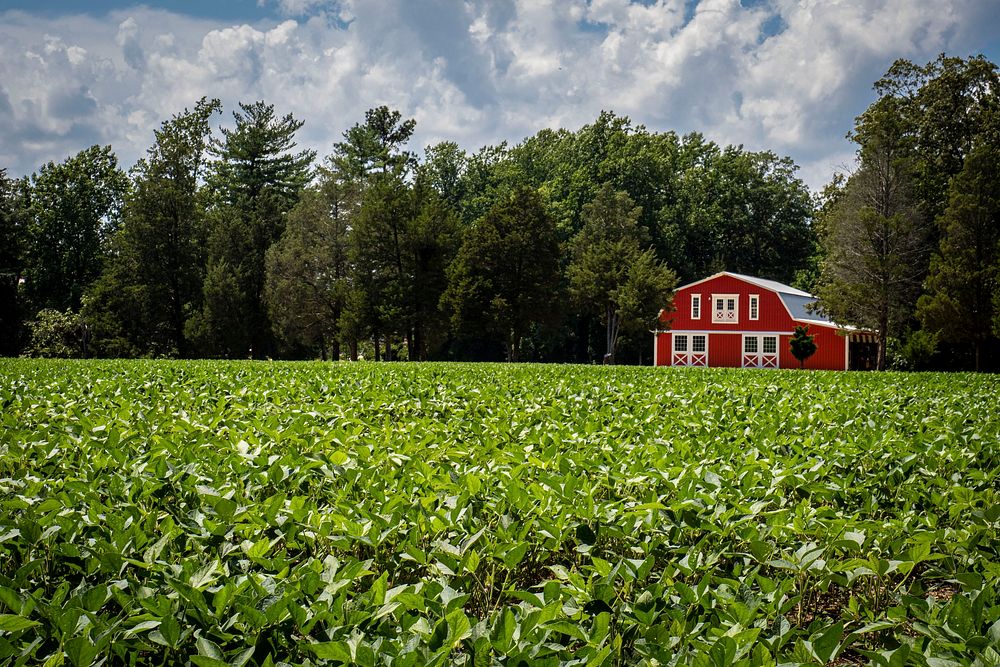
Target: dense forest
[[232, 243]]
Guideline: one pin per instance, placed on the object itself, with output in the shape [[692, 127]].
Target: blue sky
[[783, 75]]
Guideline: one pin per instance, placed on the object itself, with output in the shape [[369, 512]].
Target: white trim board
[[740, 333]]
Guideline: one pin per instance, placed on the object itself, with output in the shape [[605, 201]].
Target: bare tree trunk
[[609, 349], [353, 347], [376, 339], [883, 327]]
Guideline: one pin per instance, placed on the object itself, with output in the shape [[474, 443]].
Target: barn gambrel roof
[[795, 300]]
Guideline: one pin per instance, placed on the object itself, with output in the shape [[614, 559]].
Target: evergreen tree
[[965, 273], [376, 146], [802, 344], [308, 283], [256, 178], [403, 235]]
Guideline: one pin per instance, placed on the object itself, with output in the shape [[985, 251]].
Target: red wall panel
[[663, 346], [830, 350], [724, 350], [773, 315]]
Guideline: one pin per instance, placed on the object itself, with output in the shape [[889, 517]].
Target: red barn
[[735, 321]]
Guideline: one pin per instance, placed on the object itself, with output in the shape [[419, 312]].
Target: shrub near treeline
[[253, 513]]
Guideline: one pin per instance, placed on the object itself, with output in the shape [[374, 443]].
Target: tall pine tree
[[256, 178]]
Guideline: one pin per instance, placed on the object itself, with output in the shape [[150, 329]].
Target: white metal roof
[[772, 285]]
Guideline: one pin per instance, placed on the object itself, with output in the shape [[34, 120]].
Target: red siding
[[830, 350], [725, 349], [773, 315], [663, 344]]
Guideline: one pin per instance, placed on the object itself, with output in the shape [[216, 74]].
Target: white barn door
[[760, 351], [689, 350]]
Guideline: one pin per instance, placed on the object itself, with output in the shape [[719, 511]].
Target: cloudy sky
[[784, 75]]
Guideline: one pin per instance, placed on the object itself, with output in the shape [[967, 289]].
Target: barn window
[[754, 307], [726, 308], [695, 306], [770, 344], [680, 343], [698, 343], [750, 345]]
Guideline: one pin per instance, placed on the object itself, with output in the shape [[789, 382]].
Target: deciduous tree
[[875, 238], [613, 272], [159, 255], [73, 210], [965, 272], [505, 277], [13, 195]]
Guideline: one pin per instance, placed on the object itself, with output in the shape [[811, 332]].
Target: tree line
[[910, 239], [233, 243]]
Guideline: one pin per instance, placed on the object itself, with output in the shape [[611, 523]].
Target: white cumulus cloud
[[785, 75]]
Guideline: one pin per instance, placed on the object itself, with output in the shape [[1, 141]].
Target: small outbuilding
[[737, 321]]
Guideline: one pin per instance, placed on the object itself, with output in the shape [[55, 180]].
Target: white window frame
[[677, 337], [696, 306], [726, 315], [754, 306]]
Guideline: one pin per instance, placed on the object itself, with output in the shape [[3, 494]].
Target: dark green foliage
[[613, 272], [875, 238], [947, 106], [916, 143], [56, 334], [375, 146], [159, 258], [308, 285], [964, 277], [802, 344], [13, 246], [256, 178], [255, 161], [443, 169], [72, 212], [505, 277]]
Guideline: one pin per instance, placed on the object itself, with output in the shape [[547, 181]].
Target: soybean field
[[254, 513]]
